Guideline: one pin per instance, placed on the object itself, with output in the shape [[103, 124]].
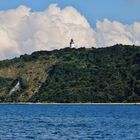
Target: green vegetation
[[109, 74]]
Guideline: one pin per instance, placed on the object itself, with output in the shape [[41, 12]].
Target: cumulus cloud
[[109, 33], [23, 31]]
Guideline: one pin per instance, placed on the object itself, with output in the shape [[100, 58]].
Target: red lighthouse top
[[71, 41]]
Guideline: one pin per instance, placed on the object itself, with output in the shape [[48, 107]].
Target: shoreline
[[29, 103]]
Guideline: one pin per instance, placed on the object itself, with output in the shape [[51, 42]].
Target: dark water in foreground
[[69, 122]]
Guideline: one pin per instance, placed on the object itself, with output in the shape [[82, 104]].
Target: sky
[[30, 25], [125, 11]]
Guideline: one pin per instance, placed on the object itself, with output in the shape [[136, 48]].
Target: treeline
[[109, 74]]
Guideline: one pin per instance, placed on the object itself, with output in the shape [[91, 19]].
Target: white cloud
[[23, 31], [109, 33]]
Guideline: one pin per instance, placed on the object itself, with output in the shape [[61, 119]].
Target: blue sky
[[125, 11]]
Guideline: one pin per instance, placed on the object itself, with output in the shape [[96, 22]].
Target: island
[[73, 75]]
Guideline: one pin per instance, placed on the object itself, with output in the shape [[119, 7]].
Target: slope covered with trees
[[109, 74]]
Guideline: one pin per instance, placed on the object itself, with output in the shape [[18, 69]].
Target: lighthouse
[[72, 45]]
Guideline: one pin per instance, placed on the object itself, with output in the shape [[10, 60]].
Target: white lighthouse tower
[[72, 45]]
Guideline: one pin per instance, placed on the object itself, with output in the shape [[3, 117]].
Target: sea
[[69, 122]]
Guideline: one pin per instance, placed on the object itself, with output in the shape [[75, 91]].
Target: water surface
[[69, 122]]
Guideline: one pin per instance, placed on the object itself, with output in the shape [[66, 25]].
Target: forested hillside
[[109, 74]]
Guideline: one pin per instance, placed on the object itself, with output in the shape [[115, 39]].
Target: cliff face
[[73, 75]]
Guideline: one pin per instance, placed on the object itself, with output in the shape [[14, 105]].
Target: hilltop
[[68, 75]]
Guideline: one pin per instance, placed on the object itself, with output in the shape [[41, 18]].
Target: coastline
[[30, 103]]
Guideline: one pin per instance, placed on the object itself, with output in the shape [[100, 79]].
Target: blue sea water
[[69, 122]]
